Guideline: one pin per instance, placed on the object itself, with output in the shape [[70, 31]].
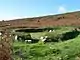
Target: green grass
[[38, 34], [68, 50], [60, 31], [71, 48]]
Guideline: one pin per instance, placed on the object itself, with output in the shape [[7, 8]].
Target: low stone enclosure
[[50, 37]]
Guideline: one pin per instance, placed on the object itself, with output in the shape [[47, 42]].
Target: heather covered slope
[[72, 18]]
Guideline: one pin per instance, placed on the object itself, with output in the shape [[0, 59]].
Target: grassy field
[[62, 30], [67, 50]]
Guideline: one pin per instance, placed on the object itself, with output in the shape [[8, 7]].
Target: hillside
[[66, 19]]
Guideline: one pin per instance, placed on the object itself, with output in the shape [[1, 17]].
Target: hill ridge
[[66, 19]]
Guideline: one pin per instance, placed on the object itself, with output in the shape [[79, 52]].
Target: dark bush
[[61, 37], [31, 30], [70, 35], [24, 37], [53, 37], [35, 40]]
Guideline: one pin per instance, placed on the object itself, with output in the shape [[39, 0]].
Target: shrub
[[55, 37], [24, 37], [70, 35]]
